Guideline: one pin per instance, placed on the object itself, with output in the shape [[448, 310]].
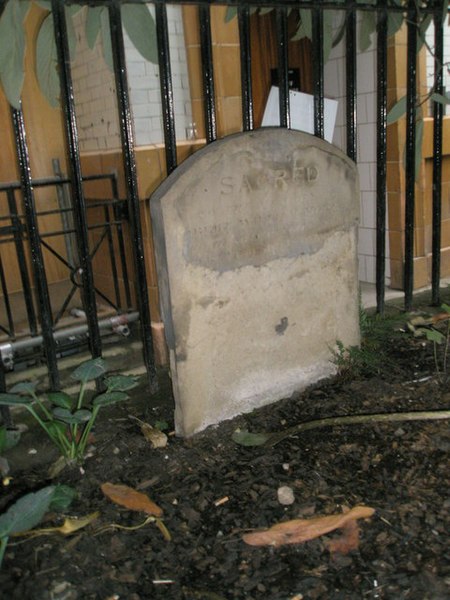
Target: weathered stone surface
[[255, 240]]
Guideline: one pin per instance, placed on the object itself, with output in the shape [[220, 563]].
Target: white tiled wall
[[430, 60], [94, 90], [334, 75]]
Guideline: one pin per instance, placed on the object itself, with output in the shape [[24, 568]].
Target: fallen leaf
[[348, 541], [70, 525], [303, 530], [131, 498], [156, 437]]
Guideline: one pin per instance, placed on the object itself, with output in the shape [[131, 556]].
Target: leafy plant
[[137, 21], [435, 329], [68, 421], [366, 359], [28, 511], [8, 439]]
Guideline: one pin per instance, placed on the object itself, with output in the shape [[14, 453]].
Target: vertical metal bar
[[246, 67], [20, 253], [165, 74], [380, 262], [350, 76], [39, 275], [4, 410], [283, 68], [123, 259], [66, 214], [438, 111], [4, 288], [317, 45], [410, 153], [112, 256], [78, 201], [126, 132], [208, 73]]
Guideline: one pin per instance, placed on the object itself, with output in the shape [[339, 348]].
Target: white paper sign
[[302, 112]]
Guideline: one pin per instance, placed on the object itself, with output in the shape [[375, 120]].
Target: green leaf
[[305, 27], [140, 27], [327, 34], [440, 98], [12, 49], [394, 22], [367, 28], [46, 62], [60, 399], [64, 415], [418, 146], [46, 4], [8, 438], [14, 400], [24, 388], [245, 438], [106, 40], [56, 427], [121, 383], [397, 111], [27, 512], [422, 31], [90, 370], [161, 425], [93, 24], [109, 398], [230, 13], [434, 336], [446, 307], [62, 498]]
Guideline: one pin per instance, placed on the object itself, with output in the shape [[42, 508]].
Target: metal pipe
[[380, 265], [118, 324]]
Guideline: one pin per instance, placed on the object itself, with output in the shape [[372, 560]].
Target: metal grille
[[21, 227]]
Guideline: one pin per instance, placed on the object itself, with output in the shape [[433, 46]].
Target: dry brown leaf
[[348, 541], [157, 438], [131, 498], [302, 530]]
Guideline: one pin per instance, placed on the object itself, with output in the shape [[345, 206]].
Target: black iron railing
[[26, 226]]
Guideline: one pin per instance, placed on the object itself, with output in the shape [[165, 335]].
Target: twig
[[427, 415]]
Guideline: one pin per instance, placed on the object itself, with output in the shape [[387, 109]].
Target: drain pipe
[[119, 324]]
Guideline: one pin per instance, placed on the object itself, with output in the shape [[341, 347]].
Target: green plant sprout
[[429, 328], [28, 511], [66, 420]]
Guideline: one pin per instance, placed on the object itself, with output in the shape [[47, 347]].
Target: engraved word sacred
[[275, 175]]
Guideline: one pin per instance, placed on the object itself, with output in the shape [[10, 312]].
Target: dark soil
[[212, 490]]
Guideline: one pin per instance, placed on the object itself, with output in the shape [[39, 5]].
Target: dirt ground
[[212, 491]]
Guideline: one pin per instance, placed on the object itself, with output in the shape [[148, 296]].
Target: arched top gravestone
[[255, 239]]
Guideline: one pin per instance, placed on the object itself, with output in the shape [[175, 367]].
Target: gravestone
[[255, 241]]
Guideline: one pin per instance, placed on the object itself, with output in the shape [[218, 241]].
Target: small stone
[[285, 495]]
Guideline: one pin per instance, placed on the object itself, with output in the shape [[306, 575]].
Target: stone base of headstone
[[255, 239]]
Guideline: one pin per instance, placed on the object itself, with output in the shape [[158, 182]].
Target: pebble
[[285, 495]]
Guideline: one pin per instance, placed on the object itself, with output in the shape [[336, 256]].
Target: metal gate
[[21, 226]]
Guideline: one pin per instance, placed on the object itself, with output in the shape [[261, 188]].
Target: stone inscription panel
[[249, 222], [255, 240]]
